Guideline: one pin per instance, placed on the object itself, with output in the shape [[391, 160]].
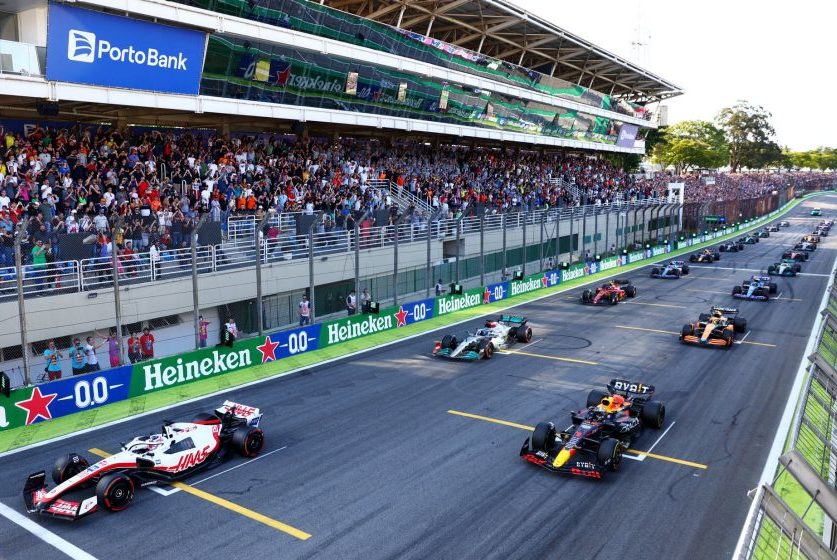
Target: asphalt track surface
[[365, 456]]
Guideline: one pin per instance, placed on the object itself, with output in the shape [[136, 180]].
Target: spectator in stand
[[365, 300], [90, 348], [113, 349], [147, 344], [134, 348], [203, 331], [78, 358], [39, 263], [304, 311], [229, 332], [53, 361], [351, 303]]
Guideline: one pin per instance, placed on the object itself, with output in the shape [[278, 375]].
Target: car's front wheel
[[115, 492], [543, 438], [610, 454], [67, 466]]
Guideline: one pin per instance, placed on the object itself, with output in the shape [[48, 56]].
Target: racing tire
[[736, 290], [772, 288], [67, 466], [686, 331], [595, 396], [740, 247], [739, 325], [543, 437], [449, 341], [676, 272], [716, 256], [115, 492], [524, 334], [692, 258], [487, 348], [630, 291], [614, 299], [797, 268], [704, 317], [722, 249], [685, 270], [587, 296], [653, 414], [609, 454], [772, 270], [655, 271], [248, 440], [728, 338]]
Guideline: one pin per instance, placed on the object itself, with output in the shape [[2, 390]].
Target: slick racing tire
[[595, 396], [729, 339], [722, 248], [67, 466], [716, 256], [653, 414], [655, 271], [676, 272], [692, 258], [543, 438], [736, 290], [772, 270], [487, 349], [739, 325], [449, 341], [797, 268], [685, 270], [115, 491], [773, 288], [610, 454], [630, 291], [686, 331], [248, 440], [524, 334], [587, 296], [614, 299]]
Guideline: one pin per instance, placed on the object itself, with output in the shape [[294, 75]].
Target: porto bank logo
[[81, 46]]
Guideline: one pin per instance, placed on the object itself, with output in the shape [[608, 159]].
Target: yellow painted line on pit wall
[[226, 504], [765, 344], [531, 428], [558, 358]]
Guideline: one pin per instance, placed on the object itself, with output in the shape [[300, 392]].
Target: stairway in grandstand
[[566, 185], [402, 197]]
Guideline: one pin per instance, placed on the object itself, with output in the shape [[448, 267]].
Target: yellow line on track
[[765, 344], [285, 528], [531, 428], [558, 358]]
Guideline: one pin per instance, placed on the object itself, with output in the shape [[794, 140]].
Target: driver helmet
[[491, 324], [717, 314], [612, 403]]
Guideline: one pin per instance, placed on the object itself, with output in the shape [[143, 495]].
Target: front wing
[[60, 508], [665, 276], [447, 354], [751, 297], [711, 341], [577, 466]]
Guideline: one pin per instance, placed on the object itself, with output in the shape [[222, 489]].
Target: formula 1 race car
[[706, 256], [672, 270], [182, 449], [772, 228], [805, 246], [716, 328], [811, 239], [748, 240], [816, 212], [786, 267], [611, 293], [762, 233], [757, 288], [821, 232], [784, 223], [826, 224], [593, 444], [795, 255], [730, 247], [496, 335]]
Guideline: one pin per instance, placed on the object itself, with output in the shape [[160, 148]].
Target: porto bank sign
[[100, 49]]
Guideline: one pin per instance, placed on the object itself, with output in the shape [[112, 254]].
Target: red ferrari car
[[611, 293]]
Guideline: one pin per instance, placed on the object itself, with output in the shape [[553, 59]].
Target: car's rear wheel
[[524, 334], [543, 438], [610, 454], [773, 287], [115, 492], [739, 325], [595, 396], [716, 256], [630, 291], [587, 296], [653, 414], [655, 271], [67, 466], [772, 270], [248, 440], [692, 258], [685, 270], [797, 268]]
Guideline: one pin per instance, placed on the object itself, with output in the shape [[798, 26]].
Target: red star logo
[[401, 317], [37, 406], [545, 281], [486, 296], [268, 350]]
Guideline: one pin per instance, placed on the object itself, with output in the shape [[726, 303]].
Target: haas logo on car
[[192, 459], [630, 387]]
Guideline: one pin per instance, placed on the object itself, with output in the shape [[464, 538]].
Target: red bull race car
[[716, 328], [593, 444], [757, 288], [705, 256], [610, 294], [182, 449], [670, 271]]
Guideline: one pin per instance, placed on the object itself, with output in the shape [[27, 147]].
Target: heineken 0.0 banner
[[468, 299], [356, 326]]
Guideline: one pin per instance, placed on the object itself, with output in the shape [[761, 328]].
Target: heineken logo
[[572, 274], [449, 305], [636, 255], [158, 376], [349, 329], [524, 286], [607, 265]]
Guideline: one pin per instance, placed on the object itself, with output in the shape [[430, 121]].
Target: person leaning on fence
[[78, 358], [228, 333], [53, 361], [147, 344], [304, 311], [90, 353], [439, 289]]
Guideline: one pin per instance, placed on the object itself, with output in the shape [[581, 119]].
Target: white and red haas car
[[182, 449]]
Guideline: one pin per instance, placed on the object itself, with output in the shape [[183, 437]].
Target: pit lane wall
[[41, 403]]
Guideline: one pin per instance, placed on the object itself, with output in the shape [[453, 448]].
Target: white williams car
[[181, 449]]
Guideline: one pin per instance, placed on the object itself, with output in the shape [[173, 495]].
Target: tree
[[691, 144], [749, 135]]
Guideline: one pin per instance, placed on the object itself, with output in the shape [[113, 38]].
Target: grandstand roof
[[499, 29]]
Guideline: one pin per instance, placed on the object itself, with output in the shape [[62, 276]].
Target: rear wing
[[632, 390], [758, 278], [725, 310], [512, 319], [250, 414]]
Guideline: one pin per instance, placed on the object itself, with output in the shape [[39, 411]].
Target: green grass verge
[[42, 431]]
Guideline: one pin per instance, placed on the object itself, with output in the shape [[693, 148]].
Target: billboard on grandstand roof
[[95, 48]]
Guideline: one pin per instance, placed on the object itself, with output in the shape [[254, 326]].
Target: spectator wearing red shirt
[[147, 344], [134, 348]]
